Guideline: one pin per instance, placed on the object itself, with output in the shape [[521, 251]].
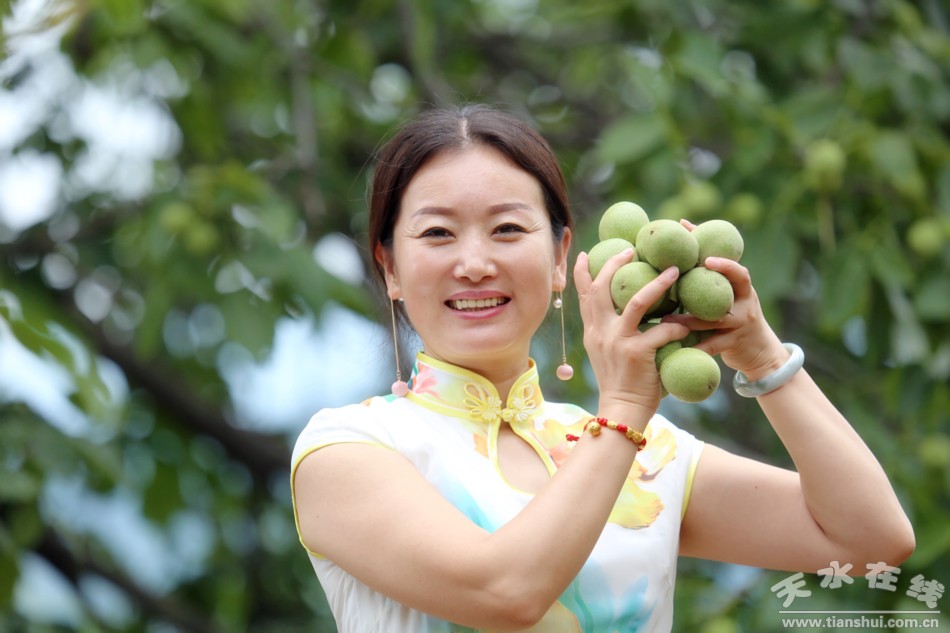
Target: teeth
[[476, 304]]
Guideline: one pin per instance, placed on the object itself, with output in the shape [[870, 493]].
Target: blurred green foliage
[[819, 128]]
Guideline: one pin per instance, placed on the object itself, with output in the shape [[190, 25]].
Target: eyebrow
[[492, 210]]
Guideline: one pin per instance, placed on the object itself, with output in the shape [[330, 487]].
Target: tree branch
[[265, 455], [53, 548]]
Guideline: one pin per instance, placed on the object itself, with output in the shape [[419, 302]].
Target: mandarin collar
[[462, 393]]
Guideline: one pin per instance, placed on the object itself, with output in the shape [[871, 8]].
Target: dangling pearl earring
[[399, 388], [564, 371]]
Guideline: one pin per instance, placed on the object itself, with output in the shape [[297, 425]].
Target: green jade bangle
[[755, 388]]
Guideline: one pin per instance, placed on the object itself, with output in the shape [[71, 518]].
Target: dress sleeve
[[358, 423], [697, 450], [688, 449]]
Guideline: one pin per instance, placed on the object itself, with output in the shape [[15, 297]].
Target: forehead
[[478, 173]]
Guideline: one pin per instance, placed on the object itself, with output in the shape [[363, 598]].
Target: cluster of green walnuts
[[686, 373]]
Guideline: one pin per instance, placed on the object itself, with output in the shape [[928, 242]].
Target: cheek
[[547, 270], [417, 273], [540, 280]]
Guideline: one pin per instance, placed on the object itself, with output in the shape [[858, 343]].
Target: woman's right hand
[[623, 357]]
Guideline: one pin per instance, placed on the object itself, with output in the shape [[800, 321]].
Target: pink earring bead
[[400, 388], [565, 372]]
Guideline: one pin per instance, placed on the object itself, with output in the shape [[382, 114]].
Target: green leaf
[[699, 57], [26, 525], [158, 301], [866, 66], [653, 82], [631, 138], [249, 321], [103, 462], [225, 44], [18, 486], [772, 256], [9, 575], [10, 308], [889, 263], [163, 496], [124, 17], [932, 299], [933, 541], [845, 287], [893, 156]]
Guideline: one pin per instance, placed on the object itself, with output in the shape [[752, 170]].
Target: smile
[[477, 304]]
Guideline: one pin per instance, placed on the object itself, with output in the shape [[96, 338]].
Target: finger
[[583, 281], [692, 322], [737, 274], [714, 344], [589, 303], [689, 225], [663, 333], [581, 273], [614, 263], [599, 288], [641, 302]]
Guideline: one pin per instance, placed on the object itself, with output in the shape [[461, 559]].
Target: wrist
[[595, 426], [766, 362], [634, 415], [749, 388]]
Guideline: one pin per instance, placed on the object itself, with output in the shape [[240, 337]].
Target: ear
[[384, 256], [562, 251]]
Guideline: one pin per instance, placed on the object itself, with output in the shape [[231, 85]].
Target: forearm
[[844, 486]]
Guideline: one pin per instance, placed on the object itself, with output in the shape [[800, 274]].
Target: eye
[[435, 231], [510, 228]]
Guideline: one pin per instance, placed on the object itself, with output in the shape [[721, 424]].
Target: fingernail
[[672, 272]]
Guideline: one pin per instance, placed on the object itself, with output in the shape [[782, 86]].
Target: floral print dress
[[447, 426]]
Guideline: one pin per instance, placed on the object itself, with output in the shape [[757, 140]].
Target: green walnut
[[825, 162], [744, 209], [628, 280], [704, 293], [690, 374], [926, 237], [604, 250], [666, 350], [664, 243], [718, 238], [623, 220], [701, 198]]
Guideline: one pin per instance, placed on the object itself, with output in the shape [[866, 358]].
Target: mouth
[[473, 305]]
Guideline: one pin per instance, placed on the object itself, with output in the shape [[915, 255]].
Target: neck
[[501, 374], [504, 382]]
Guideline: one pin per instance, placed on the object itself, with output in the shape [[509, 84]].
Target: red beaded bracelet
[[595, 424]]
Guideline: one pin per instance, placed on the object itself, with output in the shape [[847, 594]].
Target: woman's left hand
[[743, 338]]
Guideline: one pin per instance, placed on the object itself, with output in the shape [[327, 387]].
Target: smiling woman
[[470, 502]]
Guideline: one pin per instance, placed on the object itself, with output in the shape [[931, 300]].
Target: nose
[[475, 260]]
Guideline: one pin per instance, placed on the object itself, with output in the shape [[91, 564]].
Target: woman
[[472, 503]]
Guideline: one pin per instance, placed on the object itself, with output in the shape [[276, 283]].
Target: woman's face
[[474, 258]]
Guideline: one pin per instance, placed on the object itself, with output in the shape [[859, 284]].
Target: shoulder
[[363, 422]]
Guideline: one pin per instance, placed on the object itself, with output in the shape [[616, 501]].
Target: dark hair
[[444, 129]]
